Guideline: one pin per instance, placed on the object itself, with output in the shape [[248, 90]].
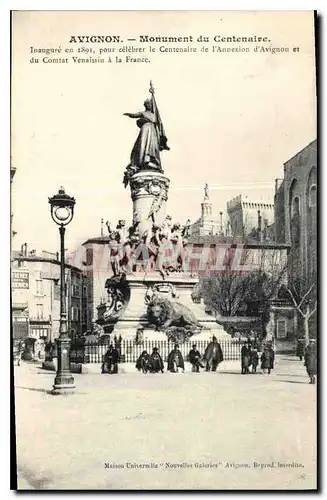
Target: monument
[[151, 291]]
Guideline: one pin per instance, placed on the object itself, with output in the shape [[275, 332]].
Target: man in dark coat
[[245, 358], [175, 360], [155, 362], [195, 359], [300, 348], [213, 355], [110, 361], [267, 359], [310, 361], [254, 359], [142, 364]]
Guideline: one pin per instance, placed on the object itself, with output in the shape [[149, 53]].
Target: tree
[[303, 296], [230, 292]]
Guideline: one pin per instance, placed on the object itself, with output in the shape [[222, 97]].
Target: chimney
[[22, 250], [102, 228], [57, 255], [25, 251]]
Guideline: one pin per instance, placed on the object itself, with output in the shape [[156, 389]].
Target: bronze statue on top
[[151, 140]]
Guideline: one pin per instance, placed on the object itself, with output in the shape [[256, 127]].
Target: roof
[[225, 240], [301, 151], [35, 258], [100, 240]]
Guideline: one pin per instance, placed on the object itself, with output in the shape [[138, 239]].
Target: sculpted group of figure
[[162, 248]]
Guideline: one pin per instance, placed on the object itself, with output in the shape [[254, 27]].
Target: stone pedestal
[[149, 192], [134, 316]]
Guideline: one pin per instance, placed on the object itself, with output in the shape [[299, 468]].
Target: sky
[[232, 119]]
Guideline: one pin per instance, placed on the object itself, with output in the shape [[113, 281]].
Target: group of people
[[29, 349], [250, 358], [153, 362]]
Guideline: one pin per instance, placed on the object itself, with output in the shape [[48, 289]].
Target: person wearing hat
[[175, 361], [246, 358], [155, 362], [213, 355], [310, 360], [267, 358], [254, 358], [143, 361], [195, 359], [110, 361], [300, 348]]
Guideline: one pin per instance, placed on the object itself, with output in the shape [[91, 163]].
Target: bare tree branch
[[306, 294], [297, 307], [313, 310]]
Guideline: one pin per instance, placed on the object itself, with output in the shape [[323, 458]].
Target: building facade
[[247, 217], [296, 219], [36, 295], [296, 214], [97, 269]]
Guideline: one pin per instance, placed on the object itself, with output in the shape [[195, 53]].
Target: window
[[89, 256], [295, 206], [313, 196], [295, 222], [75, 290], [311, 225], [39, 311], [56, 292], [75, 314], [281, 329], [39, 287]]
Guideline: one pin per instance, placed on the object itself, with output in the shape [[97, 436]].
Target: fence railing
[[130, 351]]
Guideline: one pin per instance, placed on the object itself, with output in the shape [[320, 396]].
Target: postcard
[[164, 250]]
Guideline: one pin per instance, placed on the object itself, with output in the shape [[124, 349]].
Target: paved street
[[216, 430]]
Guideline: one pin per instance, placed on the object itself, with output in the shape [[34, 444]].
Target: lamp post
[[62, 212]]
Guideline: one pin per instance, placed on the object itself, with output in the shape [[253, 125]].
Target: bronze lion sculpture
[[165, 313]]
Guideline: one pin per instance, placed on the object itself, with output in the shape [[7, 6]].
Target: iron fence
[[129, 350]]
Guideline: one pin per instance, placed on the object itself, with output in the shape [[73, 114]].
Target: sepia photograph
[[164, 321]]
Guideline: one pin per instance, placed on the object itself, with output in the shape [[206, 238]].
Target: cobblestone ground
[[224, 420]]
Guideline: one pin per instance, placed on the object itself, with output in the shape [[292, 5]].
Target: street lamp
[[62, 212]]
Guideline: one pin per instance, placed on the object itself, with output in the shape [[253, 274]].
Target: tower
[[206, 205]]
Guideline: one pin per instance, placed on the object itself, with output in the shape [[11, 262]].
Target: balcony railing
[[19, 306], [40, 319]]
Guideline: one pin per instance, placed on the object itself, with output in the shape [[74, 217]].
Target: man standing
[[245, 358], [254, 359], [195, 359], [213, 355], [310, 361], [175, 360], [268, 359], [300, 349]]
